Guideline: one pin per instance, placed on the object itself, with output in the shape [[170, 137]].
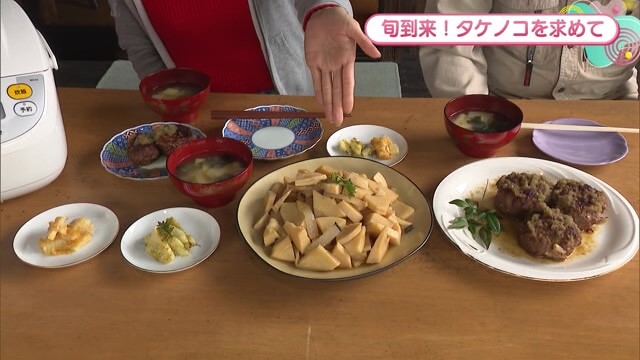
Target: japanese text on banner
[[491, 29]]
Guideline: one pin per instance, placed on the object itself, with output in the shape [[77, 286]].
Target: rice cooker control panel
[[22, 103]]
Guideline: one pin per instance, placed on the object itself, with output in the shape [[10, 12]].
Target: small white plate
[[199, 224], [365, 133], [105, 228], [616, 241]]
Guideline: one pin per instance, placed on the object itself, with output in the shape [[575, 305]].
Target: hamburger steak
[[142, 150], [169, 137], [549, 234], [163, 140], [519, 194], [582, 202]]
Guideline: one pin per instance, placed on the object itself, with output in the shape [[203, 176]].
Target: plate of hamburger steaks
[[140, 153], [536, 219]]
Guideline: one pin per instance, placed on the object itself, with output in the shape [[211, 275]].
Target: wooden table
[[439, 304]]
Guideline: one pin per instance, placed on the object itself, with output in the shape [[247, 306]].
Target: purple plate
[[581, 147]]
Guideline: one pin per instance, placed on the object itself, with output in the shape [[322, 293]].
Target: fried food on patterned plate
[[62, 238]]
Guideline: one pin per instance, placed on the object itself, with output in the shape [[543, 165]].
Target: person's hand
[[330, 51]]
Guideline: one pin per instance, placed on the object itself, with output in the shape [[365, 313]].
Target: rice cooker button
[[25, 108], [19, 91]]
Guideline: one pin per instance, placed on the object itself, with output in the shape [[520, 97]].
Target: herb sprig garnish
[[482, 224], [347, 184], [166, 227]]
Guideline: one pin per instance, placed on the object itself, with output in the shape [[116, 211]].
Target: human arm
[[451, 71], [331, 35], [134, 40]]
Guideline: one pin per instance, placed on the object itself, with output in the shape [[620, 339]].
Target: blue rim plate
[[275, 139], [115, 160]]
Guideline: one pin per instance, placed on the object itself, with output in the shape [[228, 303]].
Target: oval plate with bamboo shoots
[[334, 218]]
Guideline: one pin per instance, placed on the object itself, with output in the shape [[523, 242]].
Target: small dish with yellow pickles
[[170, 240]]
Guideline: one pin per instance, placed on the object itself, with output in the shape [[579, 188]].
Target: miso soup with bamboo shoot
[[209, 169], [482, 121], [175, 91]]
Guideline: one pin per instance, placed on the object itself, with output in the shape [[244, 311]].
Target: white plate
[[616, 242], [365, 133], [199, 224], [105, 229]]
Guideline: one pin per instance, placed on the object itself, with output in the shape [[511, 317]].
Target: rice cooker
[[33, 143]]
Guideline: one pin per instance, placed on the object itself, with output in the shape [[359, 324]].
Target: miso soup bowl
[[212, 194], [184, 109], [481, 144]]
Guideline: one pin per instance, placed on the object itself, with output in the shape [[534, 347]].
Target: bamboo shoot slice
[[298, 236], [353, 214], [318, 259], [356, 245], [327, 170], [283, 250], [324, 239], [341, 254], [271, 234], [349, 232], [325, 222], [290, 212], [379, 248], [377, 203], [359, 180], [309, 219], [324, 206], [379, 178], [402, 210], [280, 201], [330, 188], [310, 179]]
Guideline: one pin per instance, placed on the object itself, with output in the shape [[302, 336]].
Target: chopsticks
[[578, 128], [235, 114]]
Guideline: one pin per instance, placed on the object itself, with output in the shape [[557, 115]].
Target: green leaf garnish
[[458, 223], [347, 184], [482, 224], [485, 236], [494, 223], [459, 203], [166, 227]]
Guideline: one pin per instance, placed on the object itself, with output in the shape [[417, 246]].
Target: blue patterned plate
[[114, 157], [275, 139]]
